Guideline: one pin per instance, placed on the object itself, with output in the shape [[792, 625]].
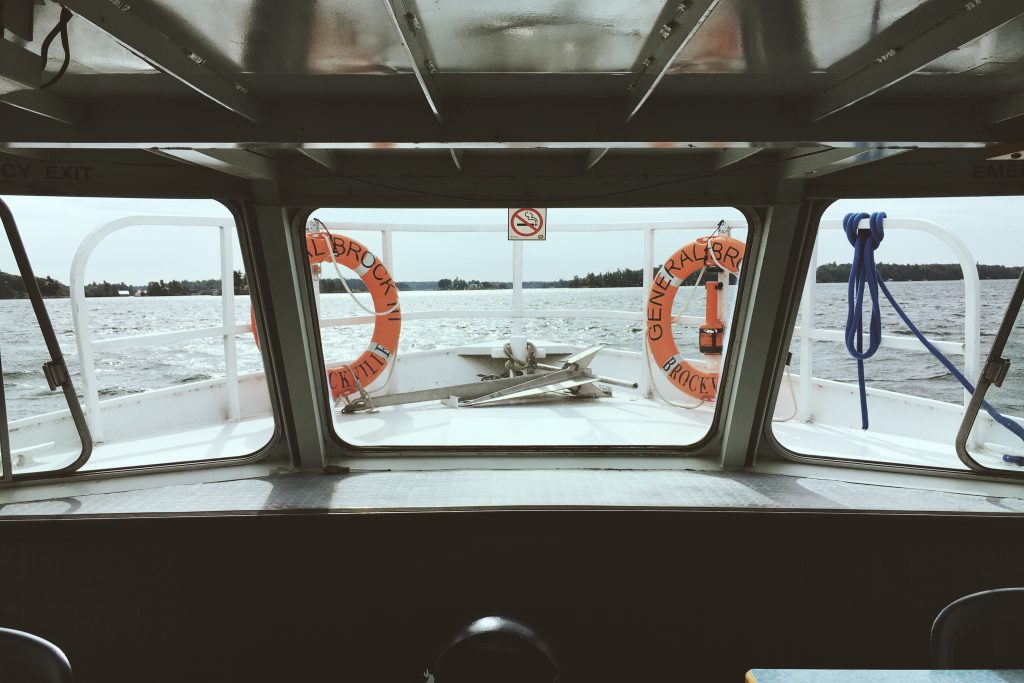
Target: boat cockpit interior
[[444, 407]]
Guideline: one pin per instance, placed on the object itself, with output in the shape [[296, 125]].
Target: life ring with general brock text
[[346, 379], [714, 253]]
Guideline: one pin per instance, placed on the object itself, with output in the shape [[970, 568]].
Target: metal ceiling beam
[[921, 36], [116, 18], [457, 155], [816, 163], [1011, 151], [593, 157], [1009, 107], [19, 68], [324, 157], [414, 41], [732, 155], [26, 153], [20, 76], [678, 22], [504, 123], [43, 103], [237, 162], [17, 17]]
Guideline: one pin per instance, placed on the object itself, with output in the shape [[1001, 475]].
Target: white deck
[[872, 446], [185, 444], [228, 440], [623, 420]]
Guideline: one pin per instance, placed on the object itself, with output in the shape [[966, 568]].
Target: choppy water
[[937, 307]]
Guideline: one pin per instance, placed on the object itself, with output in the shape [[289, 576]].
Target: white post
[[972, 346], [83, 340], [227, 292], [80, 313], [387, 251], [804, 413], [316, 295], [316, 271], [972, 327], [714, 363], [517, 287], [646, 390], [387, 257]]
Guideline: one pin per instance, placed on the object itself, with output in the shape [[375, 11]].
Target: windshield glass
[[950, 265], [525, 327], [149, 301]]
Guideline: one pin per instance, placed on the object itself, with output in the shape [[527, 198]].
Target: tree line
[[621, 277], [333, 285], [13, 287], [840, 272], [458, 284]]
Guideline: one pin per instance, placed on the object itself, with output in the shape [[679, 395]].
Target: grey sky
[[52, 228]]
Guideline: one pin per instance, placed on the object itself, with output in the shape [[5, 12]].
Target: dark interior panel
[[637, 595]]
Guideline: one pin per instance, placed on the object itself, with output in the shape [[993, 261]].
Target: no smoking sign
[[527, 224]]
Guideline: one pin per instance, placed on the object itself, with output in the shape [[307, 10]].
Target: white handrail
[[890, 341], [518, 312], [526, 314], [346, 226], [971, 346], [80, 313], [166, 338]]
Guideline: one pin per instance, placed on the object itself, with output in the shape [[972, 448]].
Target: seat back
[[30, 659], [498, 650], [981, 631]]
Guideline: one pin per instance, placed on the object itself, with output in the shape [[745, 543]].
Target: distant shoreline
[[12, 287]]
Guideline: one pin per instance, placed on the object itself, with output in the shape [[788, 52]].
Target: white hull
[[189, 423]]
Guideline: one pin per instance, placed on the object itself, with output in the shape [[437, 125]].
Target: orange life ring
[[346, 379], [724, 253]]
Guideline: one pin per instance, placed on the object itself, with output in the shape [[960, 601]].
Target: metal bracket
[[17, 17], [56, 374], [995, 371]]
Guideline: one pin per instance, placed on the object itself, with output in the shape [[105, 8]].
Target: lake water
[[937, 308]]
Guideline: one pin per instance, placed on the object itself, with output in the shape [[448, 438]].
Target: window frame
[[343, 452], [995, 365], [276, 446], [771, 447]]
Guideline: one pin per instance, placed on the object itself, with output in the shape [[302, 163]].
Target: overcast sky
[[52, 229]]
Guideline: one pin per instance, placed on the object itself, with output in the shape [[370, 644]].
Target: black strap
[[62, 29]]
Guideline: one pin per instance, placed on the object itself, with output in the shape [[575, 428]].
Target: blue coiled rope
[[864, 273]]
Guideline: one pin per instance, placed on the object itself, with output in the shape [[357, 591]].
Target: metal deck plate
[[510, 489]]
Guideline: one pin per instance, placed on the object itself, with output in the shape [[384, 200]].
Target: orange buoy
[[347, 379], [714, 253]]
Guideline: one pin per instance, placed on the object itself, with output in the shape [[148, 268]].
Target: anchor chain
[[518, 367]]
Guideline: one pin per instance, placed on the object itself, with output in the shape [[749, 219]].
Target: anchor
[[573, 379]]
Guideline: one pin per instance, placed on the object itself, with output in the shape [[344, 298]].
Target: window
[[914, 404], [519, 344], [149, 302]]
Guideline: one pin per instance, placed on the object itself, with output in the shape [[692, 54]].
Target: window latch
[[56, 374], [995, 371]]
